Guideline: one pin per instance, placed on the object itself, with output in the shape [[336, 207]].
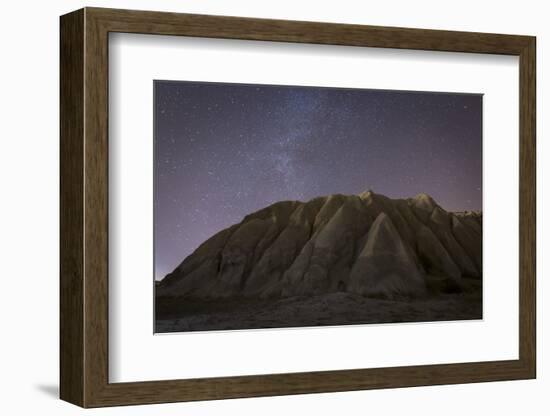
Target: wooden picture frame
[[84, 207]]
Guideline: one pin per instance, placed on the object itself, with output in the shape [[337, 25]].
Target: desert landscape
[[333, 260]]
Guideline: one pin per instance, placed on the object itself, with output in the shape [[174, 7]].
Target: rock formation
[[366, 244]]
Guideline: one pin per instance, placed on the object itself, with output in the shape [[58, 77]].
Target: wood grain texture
[[96, 219], [527, 208], [162, 23], [84, 207], [71, 208]]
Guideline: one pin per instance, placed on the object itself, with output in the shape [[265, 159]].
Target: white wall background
[[29, 172]]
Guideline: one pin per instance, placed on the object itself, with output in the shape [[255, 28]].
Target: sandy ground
[[179, 315]]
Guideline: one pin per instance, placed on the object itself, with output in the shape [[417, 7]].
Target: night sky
[[223, 151]]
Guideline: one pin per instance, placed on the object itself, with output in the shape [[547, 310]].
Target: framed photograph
[[255, 207]]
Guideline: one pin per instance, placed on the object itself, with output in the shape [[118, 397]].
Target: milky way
[[223, 151]]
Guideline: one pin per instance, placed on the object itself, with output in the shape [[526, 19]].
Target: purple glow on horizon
[[223, 151]]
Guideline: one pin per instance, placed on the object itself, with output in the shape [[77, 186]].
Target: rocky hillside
[[365, 244]]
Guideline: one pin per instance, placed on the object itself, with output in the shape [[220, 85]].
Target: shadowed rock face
[[366, 244]]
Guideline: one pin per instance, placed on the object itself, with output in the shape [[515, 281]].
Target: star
[[223, 151]]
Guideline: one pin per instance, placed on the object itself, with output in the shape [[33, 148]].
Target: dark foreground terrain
[[333, 260], [340, 308]]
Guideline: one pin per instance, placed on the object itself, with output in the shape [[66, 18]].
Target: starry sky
[[223, 151]]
